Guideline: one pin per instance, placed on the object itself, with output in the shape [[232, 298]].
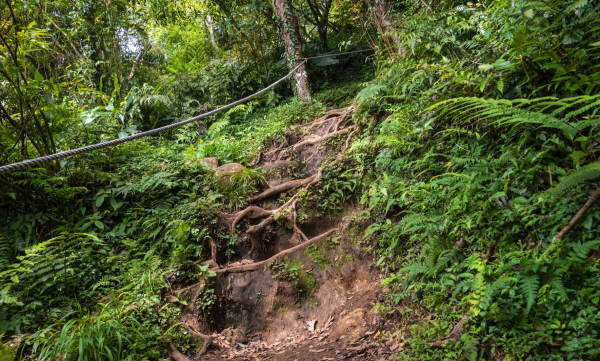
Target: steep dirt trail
[[302, 286]]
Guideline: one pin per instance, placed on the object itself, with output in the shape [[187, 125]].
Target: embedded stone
[[227, 170], [211, 162]]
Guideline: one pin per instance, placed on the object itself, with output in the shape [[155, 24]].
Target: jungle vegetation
[[478, 144]]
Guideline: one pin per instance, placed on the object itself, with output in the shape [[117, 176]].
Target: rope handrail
[[52, 157]]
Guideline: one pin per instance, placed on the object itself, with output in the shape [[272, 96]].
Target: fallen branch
[[454, 336], [593, 198], [259, 265]]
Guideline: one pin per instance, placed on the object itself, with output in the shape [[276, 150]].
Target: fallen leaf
[[376, 335], [394, 346], [317, 351]]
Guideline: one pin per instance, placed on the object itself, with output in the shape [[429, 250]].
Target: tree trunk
[[293, 45], [208, 22], [323, 37], [382, 21]]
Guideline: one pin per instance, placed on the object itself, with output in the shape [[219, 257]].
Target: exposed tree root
[[208, 339], [284, 187], [331, 114], [259, 265], [176, 355], [318, 139], [593, 198], [454, 335], [255, 212]]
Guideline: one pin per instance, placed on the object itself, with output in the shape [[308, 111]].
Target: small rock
[[211, 162], [311, 325], [227, 170], [172, 299]]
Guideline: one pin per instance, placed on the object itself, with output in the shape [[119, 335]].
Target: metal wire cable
[[111, 143], [330, 55]]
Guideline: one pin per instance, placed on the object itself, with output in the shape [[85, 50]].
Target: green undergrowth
[[293, 270], [316, 255], [487, 147], [83, 263]]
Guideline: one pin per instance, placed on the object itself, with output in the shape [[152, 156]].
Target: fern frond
[[529, 285], [585, 173]]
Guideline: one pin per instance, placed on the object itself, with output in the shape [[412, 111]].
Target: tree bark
[[293, 45], [382, 21]]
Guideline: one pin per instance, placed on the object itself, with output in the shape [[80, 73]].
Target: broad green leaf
[[15, 279], [37, 76], [589, 220], [183, 227], [99, 201], [497, 195]]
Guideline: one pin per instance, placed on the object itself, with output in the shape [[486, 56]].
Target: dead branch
[[593, 197], [454, 335], [259, 265]]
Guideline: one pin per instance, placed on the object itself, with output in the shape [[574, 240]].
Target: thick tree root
[[331, 114], [318, 139], [176, 355], [208, 339], [259, 265], [255, 212], [284, 187]]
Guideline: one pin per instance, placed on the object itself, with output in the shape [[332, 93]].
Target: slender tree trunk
[[208, 22], [293, 45], [382, 21]]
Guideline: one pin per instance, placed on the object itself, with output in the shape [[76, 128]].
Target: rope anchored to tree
[[111, 143]]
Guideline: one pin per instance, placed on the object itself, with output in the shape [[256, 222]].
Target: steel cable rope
[[48, 158]]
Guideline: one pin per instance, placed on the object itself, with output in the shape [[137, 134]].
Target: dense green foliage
[[489, 150], [478, 144]]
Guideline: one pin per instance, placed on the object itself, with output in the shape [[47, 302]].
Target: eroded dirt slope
[[302, 287]]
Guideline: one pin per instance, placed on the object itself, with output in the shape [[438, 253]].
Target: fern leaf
[[529, 285], [585, 173]]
